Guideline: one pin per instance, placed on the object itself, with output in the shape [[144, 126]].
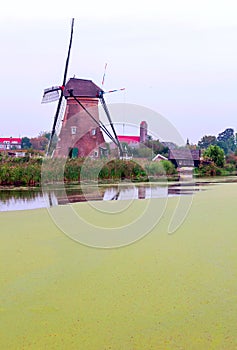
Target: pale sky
[[178, 58]]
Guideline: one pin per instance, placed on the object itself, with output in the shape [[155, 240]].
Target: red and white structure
[[135, 140], [10, 143]]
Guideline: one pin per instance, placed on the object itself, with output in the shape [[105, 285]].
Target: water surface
[[25, 199], [31, 199]]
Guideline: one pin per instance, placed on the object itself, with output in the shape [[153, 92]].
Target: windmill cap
[[82, 88]]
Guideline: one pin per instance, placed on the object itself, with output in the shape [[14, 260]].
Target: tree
[[25, 143], [143, 152], [157, 147], [126, 148], [39, 143], [225, 135], [206, 141], [223, 145], [46, 134], [215, 154], [227, 140]]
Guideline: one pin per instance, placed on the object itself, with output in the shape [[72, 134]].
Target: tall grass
[[28, 171]]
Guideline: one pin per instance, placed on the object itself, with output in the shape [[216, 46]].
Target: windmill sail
[[51, 94], [60, 118], [64, 91], [61, 94], [108, 92], [103, 79], [111, 124]]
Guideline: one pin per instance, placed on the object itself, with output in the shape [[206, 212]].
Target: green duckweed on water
[[163, 292]]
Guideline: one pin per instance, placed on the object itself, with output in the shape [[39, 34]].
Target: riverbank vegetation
[[27, 171], [218, 157], [215, 163]]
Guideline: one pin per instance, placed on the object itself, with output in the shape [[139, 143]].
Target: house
[[17, 153], [185, 157], [158, 158], [10, 143]]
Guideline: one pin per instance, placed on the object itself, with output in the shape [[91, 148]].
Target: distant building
[[10, 143], [185, 157], [130, 140], [158, 158], [133, 140], [17, 153]]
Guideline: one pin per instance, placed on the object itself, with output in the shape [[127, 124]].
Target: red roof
[[128, 139], [10, 139]]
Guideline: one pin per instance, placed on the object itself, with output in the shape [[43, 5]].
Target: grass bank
[[163, 292], [32, 171]]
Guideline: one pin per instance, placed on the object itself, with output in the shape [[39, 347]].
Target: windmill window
[[93, 132], [73, 130]]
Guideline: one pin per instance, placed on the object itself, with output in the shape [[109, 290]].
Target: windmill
[[81, 129]]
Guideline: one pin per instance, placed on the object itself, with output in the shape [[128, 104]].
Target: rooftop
[[10, 139], [82, 88], [184, 154], [128, 139]]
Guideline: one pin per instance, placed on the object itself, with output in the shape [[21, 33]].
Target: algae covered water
[[163, 292]]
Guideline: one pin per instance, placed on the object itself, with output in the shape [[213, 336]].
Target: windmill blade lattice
[[49, 151], [51, 94]]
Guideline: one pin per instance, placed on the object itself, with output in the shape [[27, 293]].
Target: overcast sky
[[178, 58]]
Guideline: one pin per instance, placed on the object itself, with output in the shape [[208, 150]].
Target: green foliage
[[232, 159], [206, 170], [122, 169], [226, 135], [39, 143], [212, 170], [164, 167], [215, 154], [46, 134], [25, 143], [226, 140], [224, 146], [169, 167], [155, 168], [72, 170], [157, 147], [143, 152], [19, 172], [230, 168], [126, 148], [206, 141]]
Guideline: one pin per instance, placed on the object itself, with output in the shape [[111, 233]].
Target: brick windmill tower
[[81, 131]]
